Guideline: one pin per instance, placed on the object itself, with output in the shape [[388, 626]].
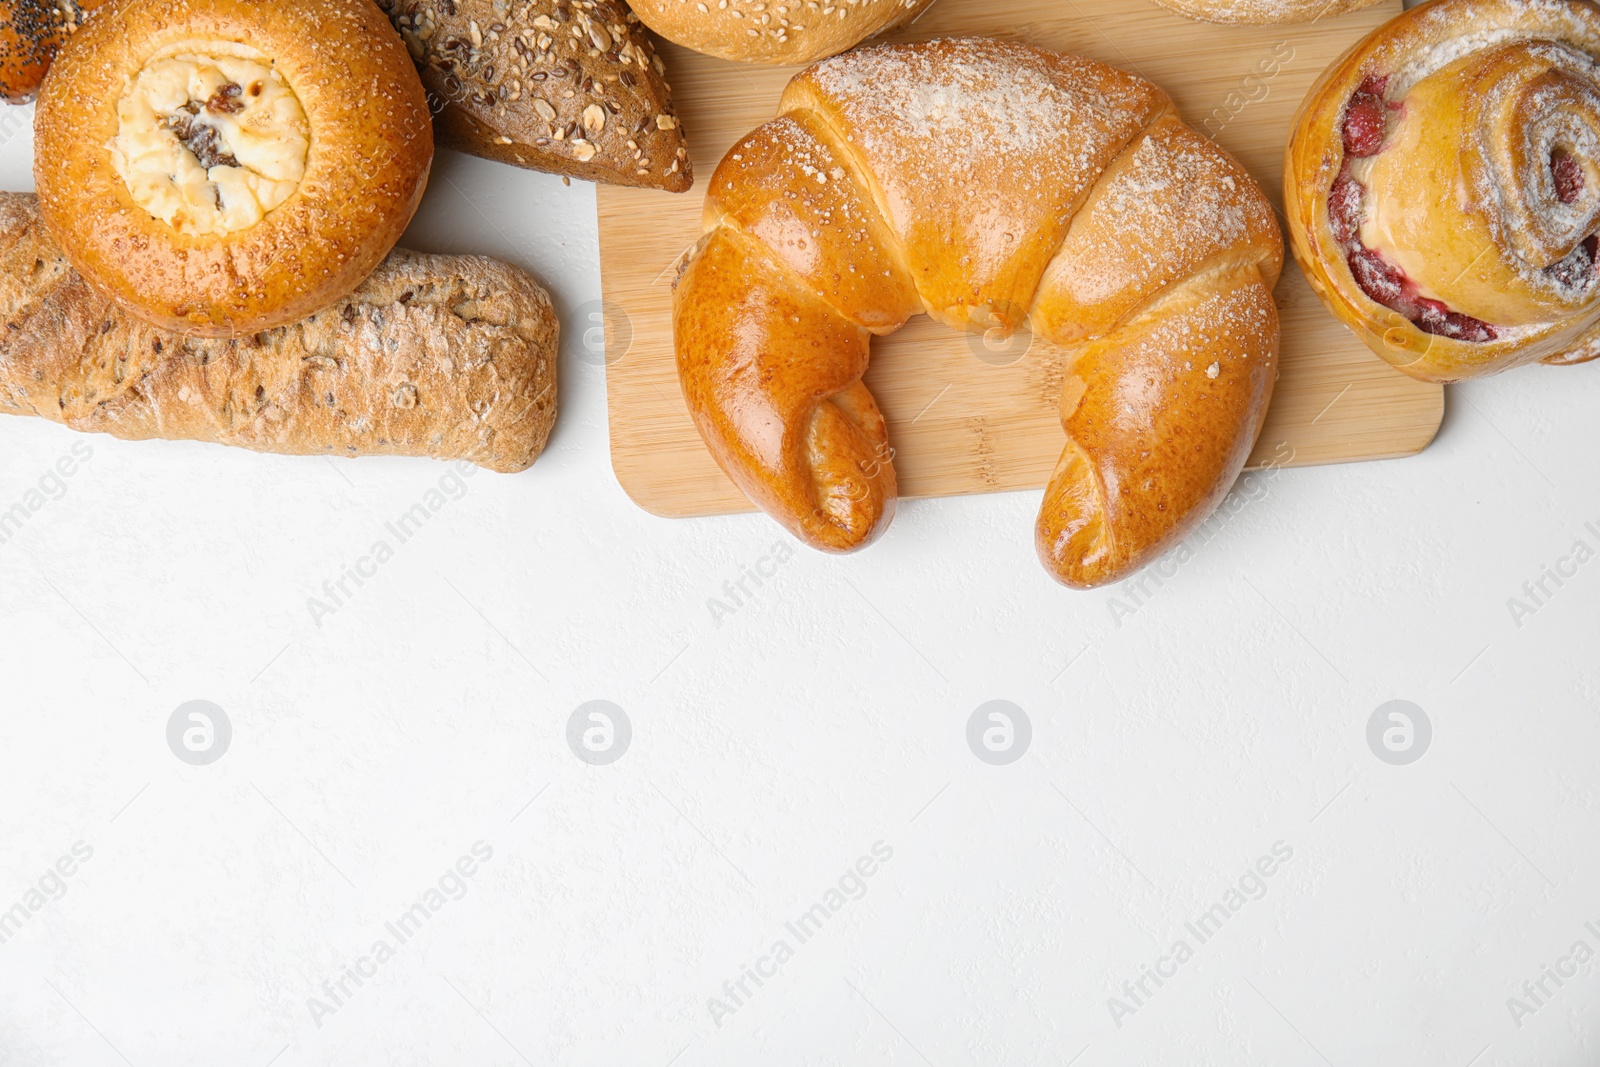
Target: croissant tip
[[1077, 554], [826, 533]]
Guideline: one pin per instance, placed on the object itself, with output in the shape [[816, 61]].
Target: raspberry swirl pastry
[[1443, 187], [220, 167]]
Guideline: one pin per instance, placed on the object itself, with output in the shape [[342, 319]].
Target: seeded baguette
[[450, 357], [566, 86]]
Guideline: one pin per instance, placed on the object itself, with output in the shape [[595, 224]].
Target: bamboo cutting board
[[966, 415]]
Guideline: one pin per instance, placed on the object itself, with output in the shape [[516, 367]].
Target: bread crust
[[993, 186], [566, 86], [450, 357], [371, 149], [774, 33], [1463, 84], [1263, 12]]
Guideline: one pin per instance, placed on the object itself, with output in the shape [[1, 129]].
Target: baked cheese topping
[[209, 144]]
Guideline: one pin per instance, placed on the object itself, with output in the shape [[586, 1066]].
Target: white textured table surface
[[1181, 743]]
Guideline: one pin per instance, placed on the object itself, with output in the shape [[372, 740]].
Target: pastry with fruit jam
[[1443, 187]]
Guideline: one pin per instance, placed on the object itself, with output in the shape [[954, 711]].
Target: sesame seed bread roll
[[990, 185], [450, 357], [774, 32]]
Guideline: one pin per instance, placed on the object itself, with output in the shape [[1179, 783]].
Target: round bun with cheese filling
[[221, 167]]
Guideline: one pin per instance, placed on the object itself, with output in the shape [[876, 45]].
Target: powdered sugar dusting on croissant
[[964, 97], [981, 147], [1174, 183]]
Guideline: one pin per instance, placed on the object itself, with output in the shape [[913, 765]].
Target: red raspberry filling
[[1435, 318], [1388, 285], [1378, 278], [1364, 126], [1568, 176], [1576, 268], [1344, 209], [1366, 119], [1363, 131]]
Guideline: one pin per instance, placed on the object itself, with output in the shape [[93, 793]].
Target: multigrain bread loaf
[[775, 32], [1263, 12], [1442, 186], [992, 186], [567, 86], [451, 357], [225, 166]]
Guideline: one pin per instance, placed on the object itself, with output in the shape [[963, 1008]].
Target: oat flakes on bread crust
[[566, 86], [450, 357]]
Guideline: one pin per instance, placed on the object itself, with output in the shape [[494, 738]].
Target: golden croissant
[[1443, 187], [991, 185]]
